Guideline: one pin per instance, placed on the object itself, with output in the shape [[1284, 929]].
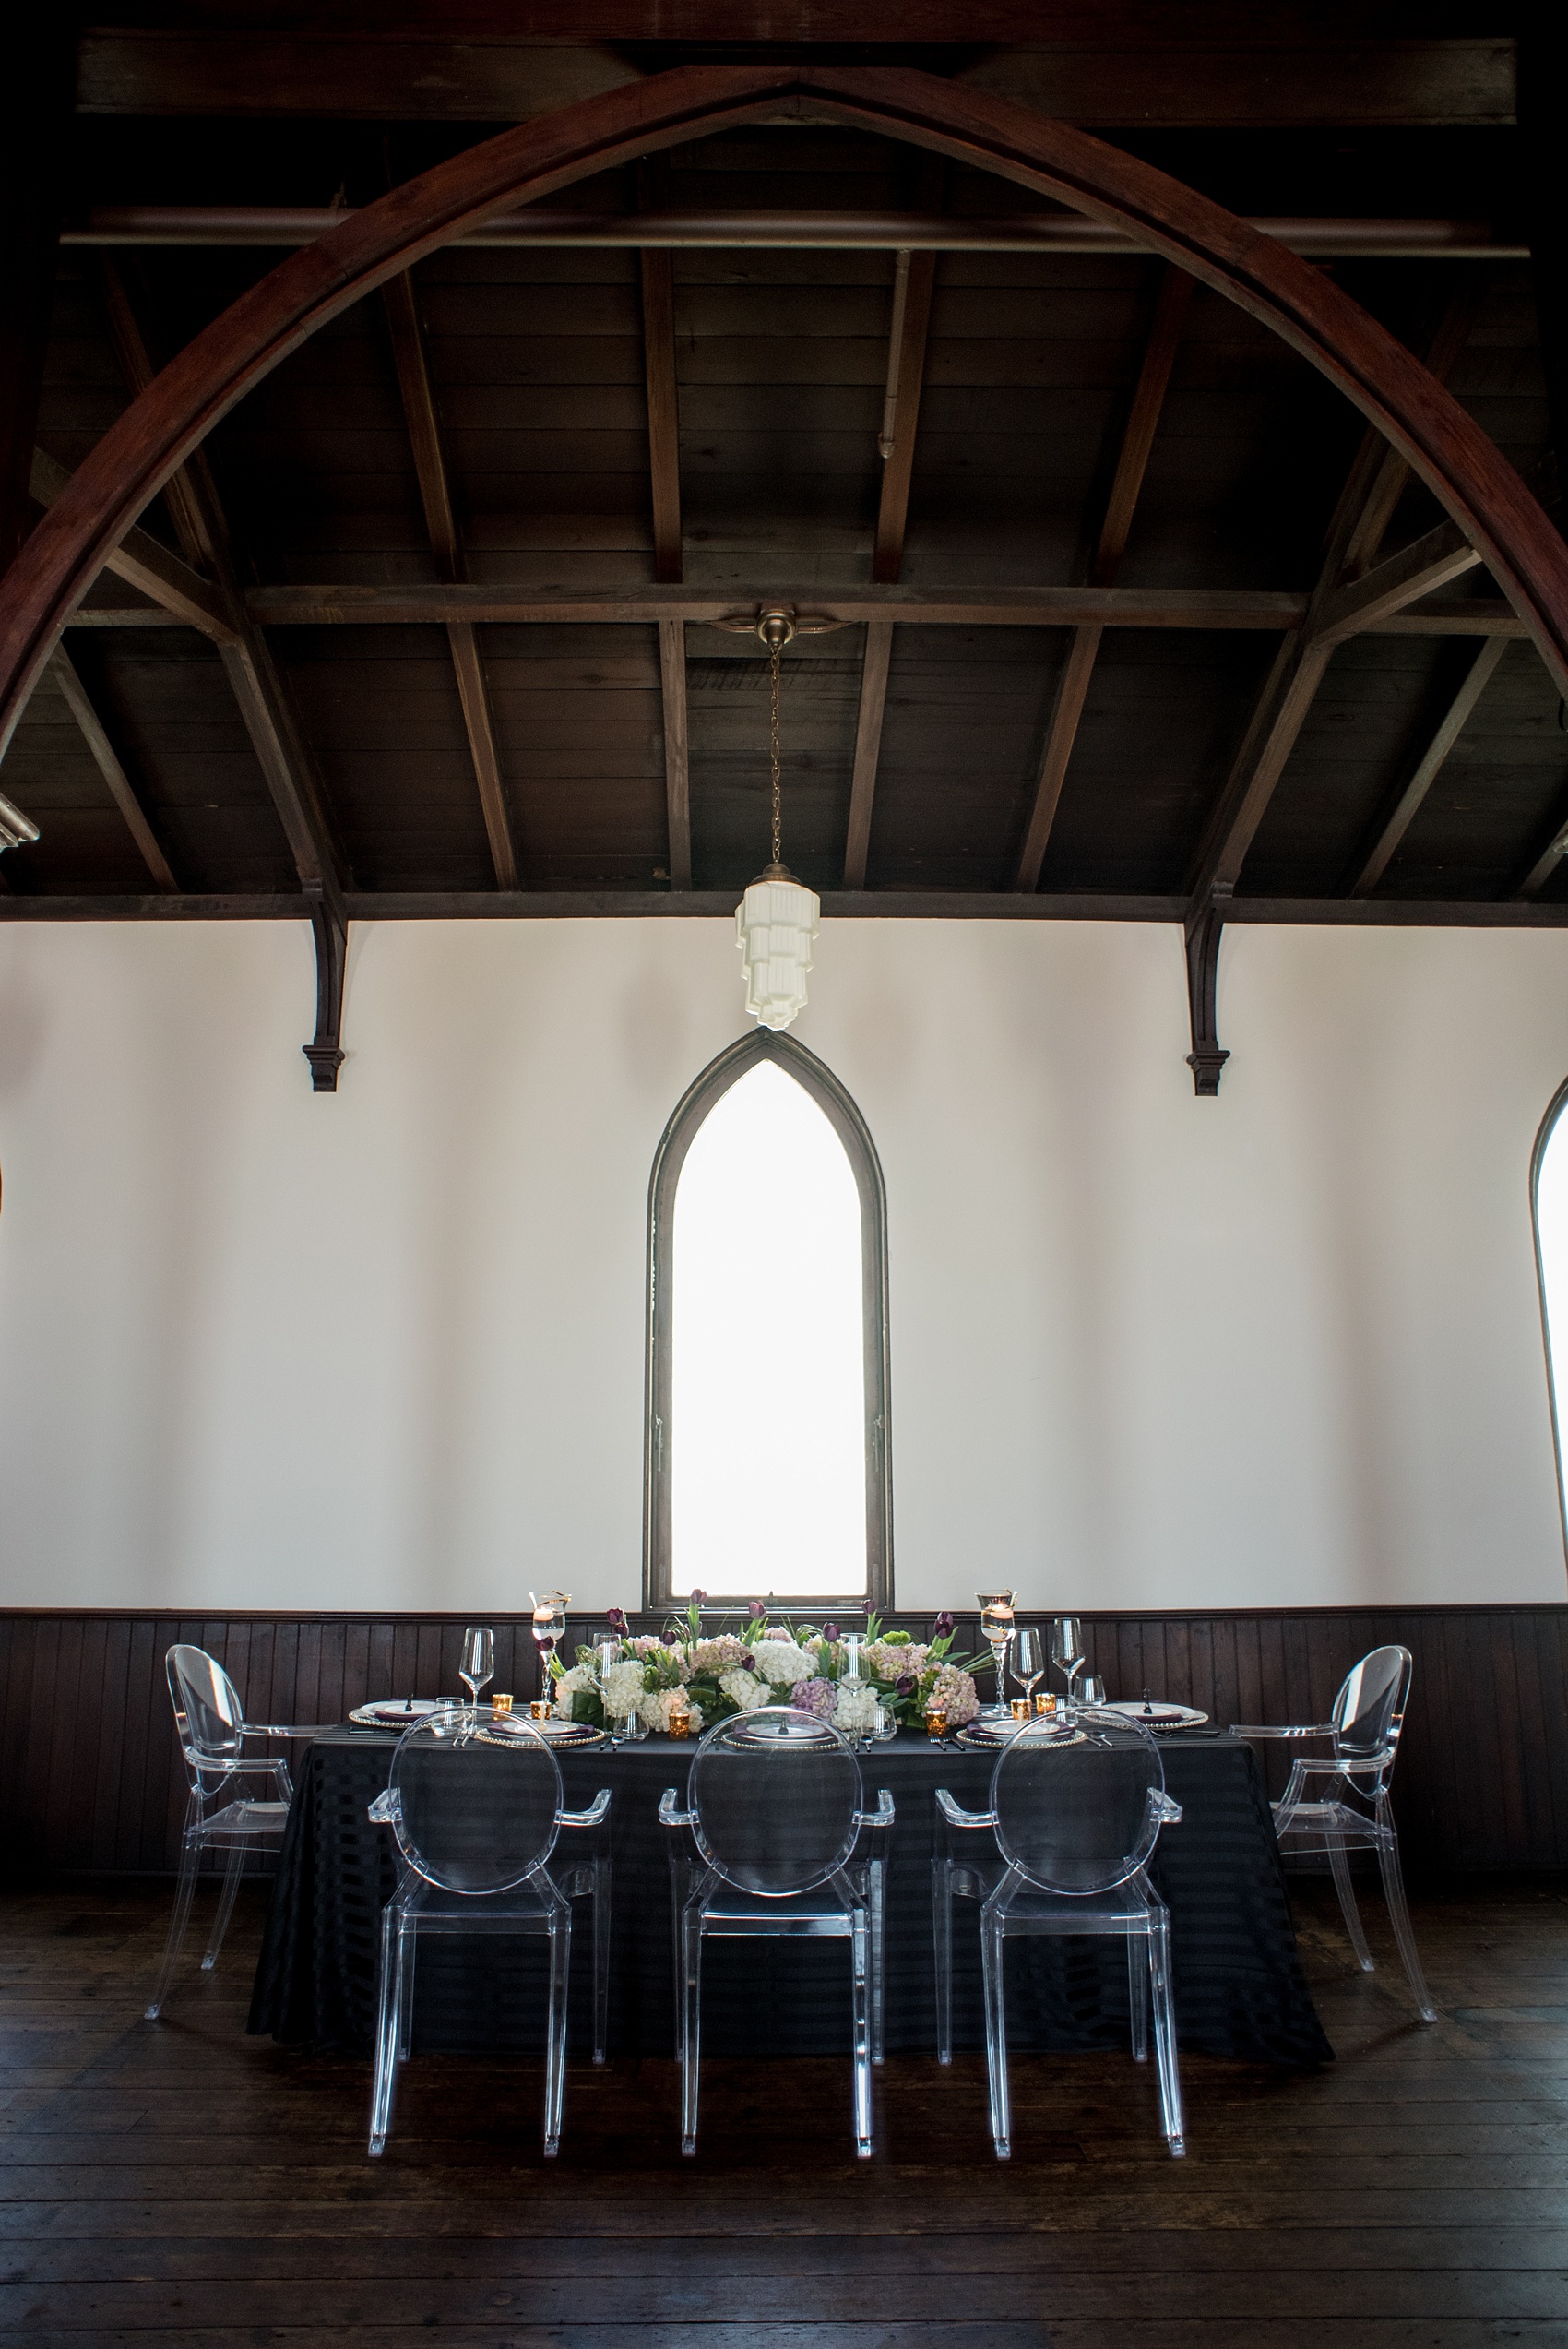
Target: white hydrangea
[[623, 1689], [581, 1675], [744, 1689], [855, 1711], [781, 1662], [889, 1659], [655, 1704]]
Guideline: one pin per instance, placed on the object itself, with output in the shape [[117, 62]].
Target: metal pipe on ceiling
[[278, 226]]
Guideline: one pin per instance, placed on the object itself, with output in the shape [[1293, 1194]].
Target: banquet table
[[1239, 1985], [1238, 1977]]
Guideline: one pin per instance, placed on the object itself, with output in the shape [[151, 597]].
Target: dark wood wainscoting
[[90, 1783]]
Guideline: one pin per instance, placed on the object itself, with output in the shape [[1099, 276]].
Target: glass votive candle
[[936, 1720], [1045, 1703], [500, 1701], [1020, 1705], [539, 1708], [680, 1723]]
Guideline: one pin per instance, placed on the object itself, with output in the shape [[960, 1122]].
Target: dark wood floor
[[178, 2183]]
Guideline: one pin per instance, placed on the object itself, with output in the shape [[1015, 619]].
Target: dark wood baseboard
[[92, 1783]]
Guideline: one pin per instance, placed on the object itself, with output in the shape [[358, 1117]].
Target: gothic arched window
[[766, 1441]]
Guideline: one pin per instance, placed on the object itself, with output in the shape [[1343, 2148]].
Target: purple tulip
[[754, 1608], [830, 1631], [904, 1685], [671, 1639], [748, 1662], [698, 1597], [943, 1629], [616, 1618]]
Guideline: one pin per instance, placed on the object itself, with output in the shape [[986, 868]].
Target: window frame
[[690, 1112], [1555, 1110]]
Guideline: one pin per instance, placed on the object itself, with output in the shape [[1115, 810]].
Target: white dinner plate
[[400, 1712]]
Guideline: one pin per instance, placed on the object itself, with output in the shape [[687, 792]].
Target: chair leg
[[226, 1898], [1172, 2120], [877, 1889], [556, 2047], [691, 2017], [1137, 1995], [861, 1997], [387, 2027], [679, 1888], [941, 1931], [190, 1860], [996, 2036], [1399, 1917], [408, 1954], [601, 1913], [1347, 1892]]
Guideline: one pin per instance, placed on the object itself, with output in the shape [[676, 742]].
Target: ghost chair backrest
[[1078, 1806], [1368, 1707], [475, 1809], [776, 1800]]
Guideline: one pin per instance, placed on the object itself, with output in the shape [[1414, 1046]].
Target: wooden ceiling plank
[[143, 563], [1098, 73], [106, 759], [677, 750], [1132, 463], [265, 709], [901, 402], [1334, 610], [875, 666], [1455, 720], [411, 359], [658, 274]]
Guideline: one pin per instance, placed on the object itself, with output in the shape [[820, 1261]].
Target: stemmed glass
[[478, 1667], [549, 1629], [605, 1653], [996, 1623], [1067, 1648], [1029, 1661]]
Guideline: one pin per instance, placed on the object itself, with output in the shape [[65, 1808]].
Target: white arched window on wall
[[1549, 1200], [766, 1451]]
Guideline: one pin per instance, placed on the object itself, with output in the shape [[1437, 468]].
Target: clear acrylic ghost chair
[[1337, 1803], [1075, 1812], [476, 1811], [222, 1814], [773, 1807]]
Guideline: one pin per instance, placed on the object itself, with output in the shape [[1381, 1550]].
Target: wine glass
[[996, 1625], [1067, 1648], [478, 1667], [1029, 1661], [549, 1629]]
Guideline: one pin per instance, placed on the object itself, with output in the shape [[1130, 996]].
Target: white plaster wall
[[259, 1348]]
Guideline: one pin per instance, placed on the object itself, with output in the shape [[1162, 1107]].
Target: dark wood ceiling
[[538, 364]]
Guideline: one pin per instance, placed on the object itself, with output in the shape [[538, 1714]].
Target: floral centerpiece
[[764, 1663]]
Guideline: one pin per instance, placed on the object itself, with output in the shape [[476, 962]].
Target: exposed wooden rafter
[[423, 421], [1072, 691], [677, 750], [868, 749], [78, 701], [1335, 608], [1403, 814], [658, 270], [266, 711], [178, 593]]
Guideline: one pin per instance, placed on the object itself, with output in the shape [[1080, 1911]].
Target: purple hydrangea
[[816, 1697]]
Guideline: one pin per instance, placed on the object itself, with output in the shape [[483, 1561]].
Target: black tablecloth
[[1240, 1989]]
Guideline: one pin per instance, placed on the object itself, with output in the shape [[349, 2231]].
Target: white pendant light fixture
[[775, 921]]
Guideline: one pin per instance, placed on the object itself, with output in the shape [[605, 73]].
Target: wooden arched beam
[[1443, 446]]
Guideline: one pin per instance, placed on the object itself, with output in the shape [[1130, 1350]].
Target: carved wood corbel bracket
[[329, 926], [1208, 1055]]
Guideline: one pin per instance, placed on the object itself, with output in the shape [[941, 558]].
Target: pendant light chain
[[777, 839]]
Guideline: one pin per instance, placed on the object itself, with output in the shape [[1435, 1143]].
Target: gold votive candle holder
[[539, 1708], [1020, 1706], [1045, 1704], [936, 1722], [500, 1702], [680, 1723]]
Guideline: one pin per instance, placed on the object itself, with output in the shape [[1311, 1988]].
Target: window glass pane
[[1552, 1226], [768, 1397]]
